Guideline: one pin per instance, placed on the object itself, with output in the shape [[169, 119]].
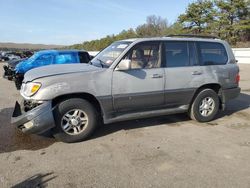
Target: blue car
[[49, 57]]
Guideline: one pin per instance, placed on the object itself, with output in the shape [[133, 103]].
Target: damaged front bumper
[[35, 121]]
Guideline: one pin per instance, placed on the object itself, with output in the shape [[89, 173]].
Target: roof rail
[[194, 36]]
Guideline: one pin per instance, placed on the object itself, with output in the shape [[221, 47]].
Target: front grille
[[29, 105]]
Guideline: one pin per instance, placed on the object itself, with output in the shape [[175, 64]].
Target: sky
[[67, 22]]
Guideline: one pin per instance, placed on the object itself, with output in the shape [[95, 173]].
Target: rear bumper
[[228, 94], [37, 120]]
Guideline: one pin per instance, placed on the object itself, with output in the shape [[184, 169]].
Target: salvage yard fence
[[242, 55]]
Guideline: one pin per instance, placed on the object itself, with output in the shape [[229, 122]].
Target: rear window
[[84, 57], [212, 53]]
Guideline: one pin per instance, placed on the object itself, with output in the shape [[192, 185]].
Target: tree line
[[227, 19]]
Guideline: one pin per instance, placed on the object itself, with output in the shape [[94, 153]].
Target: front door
[[142, 86]]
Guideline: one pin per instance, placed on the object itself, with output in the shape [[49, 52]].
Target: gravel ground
[[169, 151]]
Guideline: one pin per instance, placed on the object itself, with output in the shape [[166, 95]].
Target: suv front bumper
[[36, 120]]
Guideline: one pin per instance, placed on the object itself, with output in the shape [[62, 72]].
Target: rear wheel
[[76, 119], [205, 106]]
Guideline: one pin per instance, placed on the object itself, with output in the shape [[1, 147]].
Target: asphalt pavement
[[169, 151]]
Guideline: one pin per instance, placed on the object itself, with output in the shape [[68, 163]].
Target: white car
[[12, 57]]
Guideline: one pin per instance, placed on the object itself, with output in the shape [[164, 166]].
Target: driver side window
[[144, 56]]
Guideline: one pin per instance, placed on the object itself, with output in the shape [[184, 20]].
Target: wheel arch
[[214, 86], [87, 96]]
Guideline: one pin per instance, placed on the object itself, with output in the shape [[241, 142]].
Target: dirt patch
[[239, 125], [246, 90]]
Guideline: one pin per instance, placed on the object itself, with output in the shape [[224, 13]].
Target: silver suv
[[129, 79]]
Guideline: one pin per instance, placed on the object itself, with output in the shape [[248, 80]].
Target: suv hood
[[52, 70]]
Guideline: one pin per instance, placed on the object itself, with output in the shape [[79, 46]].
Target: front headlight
[[30, 88]]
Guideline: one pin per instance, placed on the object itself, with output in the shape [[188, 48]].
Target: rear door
[[141, 87], [183, 73]]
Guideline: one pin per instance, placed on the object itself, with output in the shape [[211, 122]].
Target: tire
[[64, 117], [205, 106]]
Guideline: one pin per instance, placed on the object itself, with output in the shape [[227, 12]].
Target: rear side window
[[84, 57], [176, 53], [66, 58], [212, 53]]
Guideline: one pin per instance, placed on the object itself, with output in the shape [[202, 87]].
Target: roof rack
[[194, 36]]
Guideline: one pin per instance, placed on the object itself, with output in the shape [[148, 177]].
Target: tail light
[[237, 78]]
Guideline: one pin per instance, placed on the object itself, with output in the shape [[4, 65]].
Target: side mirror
[[125, 64]]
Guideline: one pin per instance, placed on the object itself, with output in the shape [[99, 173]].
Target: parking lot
[[169, 151]]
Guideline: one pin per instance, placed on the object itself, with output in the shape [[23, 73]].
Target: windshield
[[106, 57], [33, 57]]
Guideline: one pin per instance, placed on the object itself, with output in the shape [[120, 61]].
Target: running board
[[147, 114]]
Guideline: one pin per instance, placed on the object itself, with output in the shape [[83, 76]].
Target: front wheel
[[205, 106], [76, 119]]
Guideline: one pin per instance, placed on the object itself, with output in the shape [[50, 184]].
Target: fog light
[[28, 125]]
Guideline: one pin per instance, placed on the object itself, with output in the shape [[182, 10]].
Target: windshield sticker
[[122, 46]]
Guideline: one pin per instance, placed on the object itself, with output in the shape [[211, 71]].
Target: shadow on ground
[[36, 181], [170, 120], [240, 103], [12, 139]]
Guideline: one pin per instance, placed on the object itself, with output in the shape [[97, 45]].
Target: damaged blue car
[[48, 57]]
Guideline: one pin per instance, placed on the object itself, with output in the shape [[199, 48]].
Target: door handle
[[196, 73], [156, 76]]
